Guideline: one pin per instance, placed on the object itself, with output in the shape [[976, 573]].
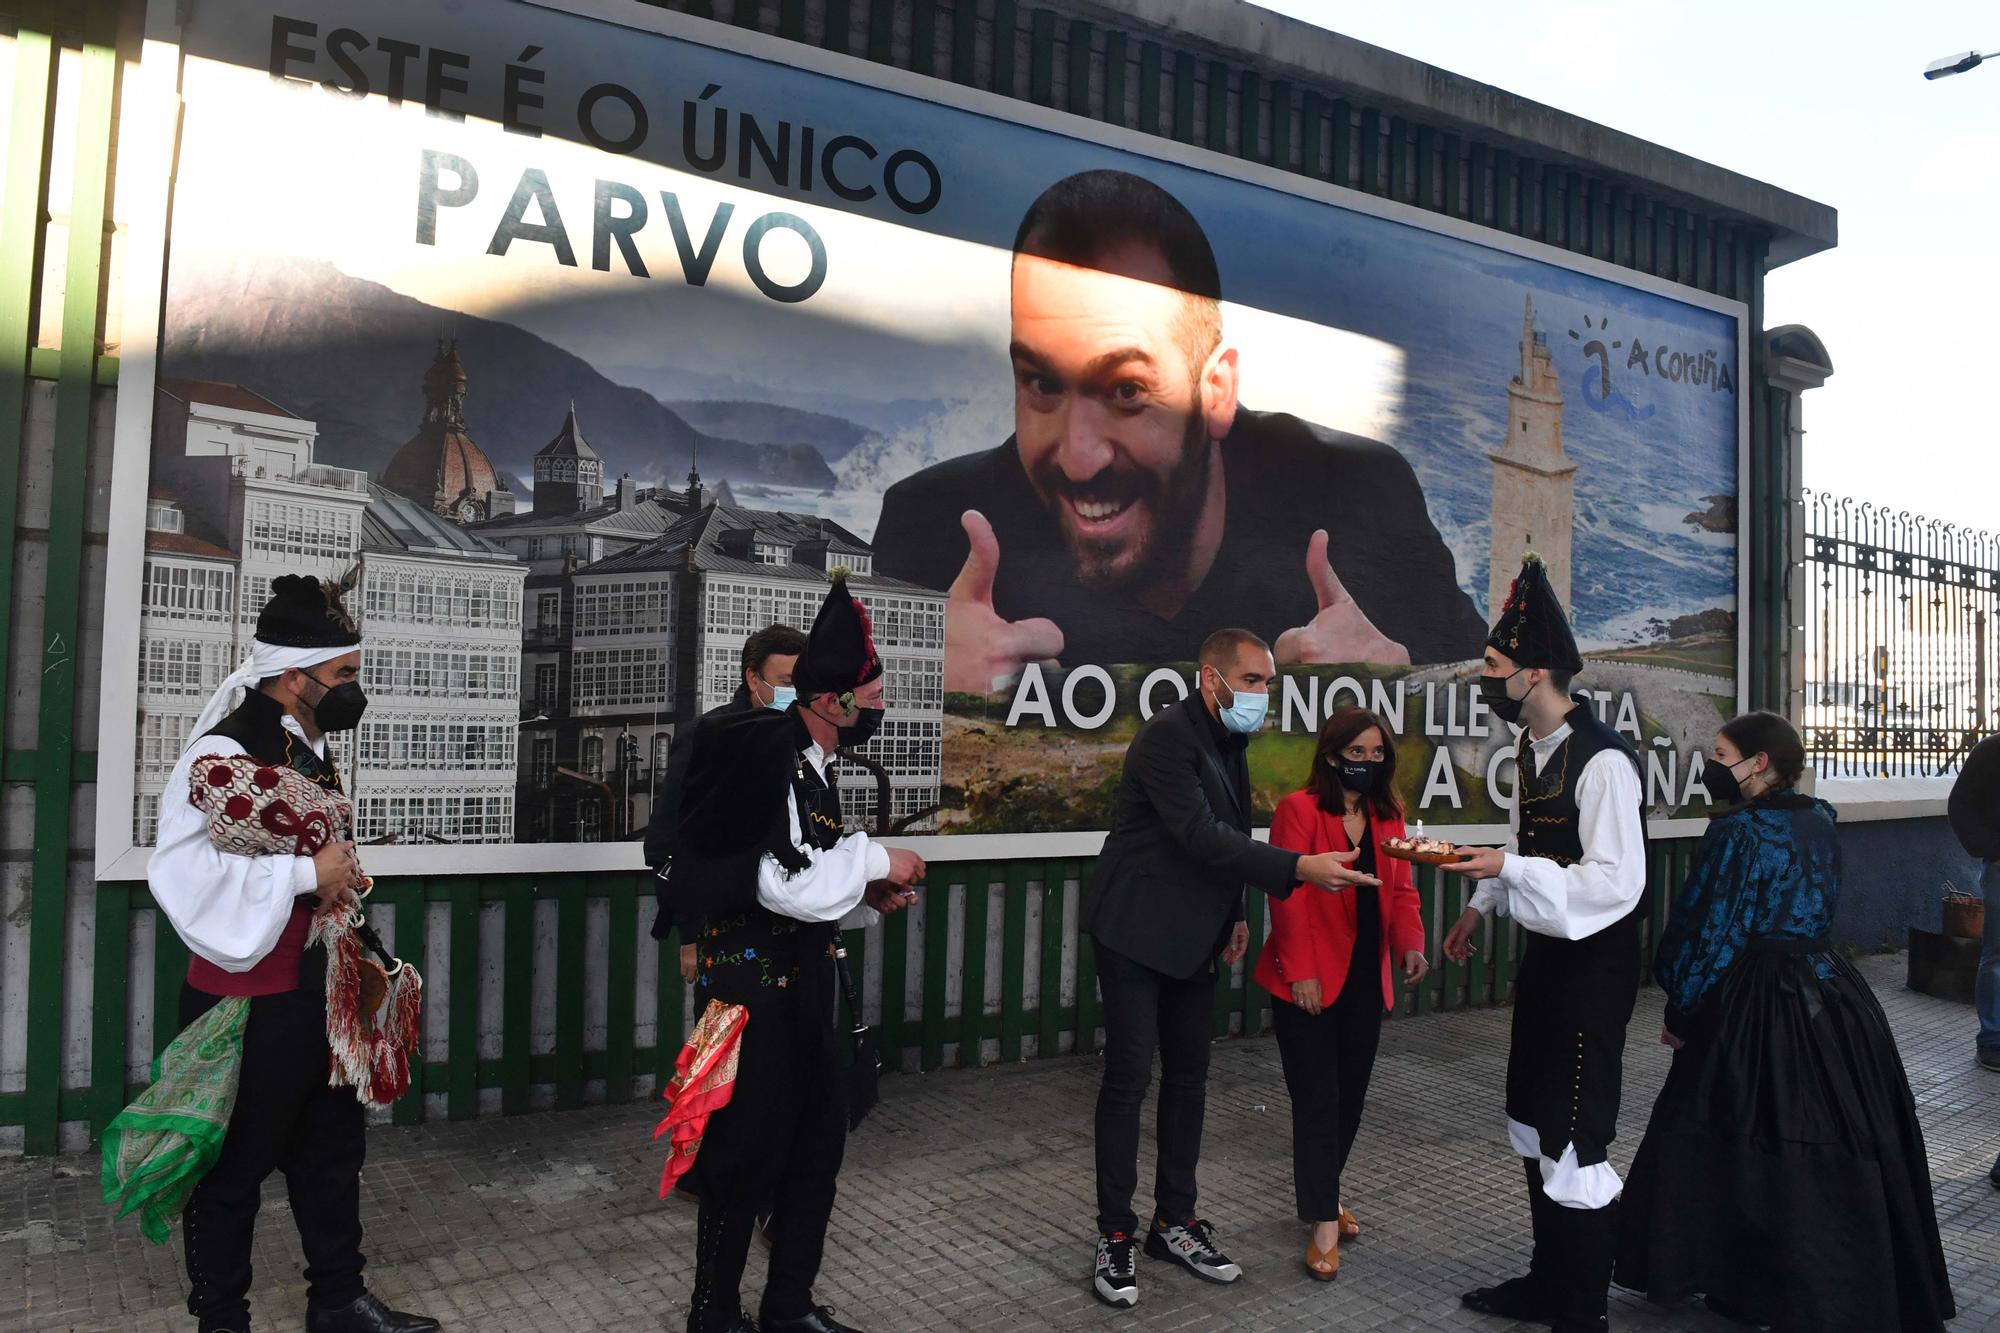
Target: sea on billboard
[[598, 349]]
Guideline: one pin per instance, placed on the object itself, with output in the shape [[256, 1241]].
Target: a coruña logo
[[1694, 370]]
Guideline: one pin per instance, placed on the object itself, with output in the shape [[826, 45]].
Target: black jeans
[[286, 1119], [1328, 1058], [1143, 1011], [777, 1145]]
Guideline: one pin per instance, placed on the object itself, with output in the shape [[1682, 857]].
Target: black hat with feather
[[840, 654], [306, 612], [1533, 630]]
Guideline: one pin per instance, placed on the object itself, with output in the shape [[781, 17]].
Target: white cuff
[[878, 861], [1488, 897], [305, 876], [1563, 1180]]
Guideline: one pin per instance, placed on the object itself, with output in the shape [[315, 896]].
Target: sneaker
[[1990, 1059], [1191, 1244], [1116, 1277]]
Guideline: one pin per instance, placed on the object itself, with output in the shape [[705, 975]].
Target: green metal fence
[[926, 975], [29, 303]]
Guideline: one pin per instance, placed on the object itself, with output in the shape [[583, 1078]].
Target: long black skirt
[[1784, 1171]]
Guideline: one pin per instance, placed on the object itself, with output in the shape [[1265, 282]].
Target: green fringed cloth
[[158, 1148]]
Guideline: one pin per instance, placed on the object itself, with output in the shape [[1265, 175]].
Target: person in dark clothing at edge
[[245, 921], [1106, 529], [1974, 809], [1165, 902], [768, 658], [1573, 879]]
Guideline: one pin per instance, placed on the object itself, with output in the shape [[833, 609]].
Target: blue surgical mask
[[782, 696], [1244, 713]]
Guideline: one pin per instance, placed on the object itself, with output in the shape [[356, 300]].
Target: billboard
[[597, 337]]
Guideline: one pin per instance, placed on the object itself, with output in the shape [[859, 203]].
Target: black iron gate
[[1901, 617]]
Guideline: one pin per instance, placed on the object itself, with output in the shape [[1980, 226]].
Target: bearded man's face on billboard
[[1117, 406]]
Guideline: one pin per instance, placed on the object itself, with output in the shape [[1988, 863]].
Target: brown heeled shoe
[[1323, 1265], [1349, 1226]]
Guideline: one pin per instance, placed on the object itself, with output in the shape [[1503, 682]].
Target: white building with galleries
[[435, 759], [742, 569], [237, 501], [187, 645]]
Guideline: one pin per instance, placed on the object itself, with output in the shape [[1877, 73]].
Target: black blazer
[[663, 829], [1974, 806], [1171, 876]]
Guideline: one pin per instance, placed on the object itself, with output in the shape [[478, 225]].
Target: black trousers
[[1328, 1058], [286, 1119], [777, 1145], [1145, 1010], [1574, 1251]]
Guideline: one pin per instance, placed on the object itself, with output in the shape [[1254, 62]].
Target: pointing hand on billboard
[[983, 654], [1341, 631]]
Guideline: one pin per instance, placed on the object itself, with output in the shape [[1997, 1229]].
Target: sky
[[1826, 100]]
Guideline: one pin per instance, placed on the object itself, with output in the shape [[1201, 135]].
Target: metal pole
[[1984, 720]]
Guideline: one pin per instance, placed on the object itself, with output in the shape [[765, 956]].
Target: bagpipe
[[158, 1148], [374, 1006]]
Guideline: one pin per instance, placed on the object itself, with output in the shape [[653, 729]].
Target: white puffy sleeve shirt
[[227, 908], [1574, 902], [832, 885]]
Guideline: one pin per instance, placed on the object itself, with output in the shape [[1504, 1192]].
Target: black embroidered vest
[[752, 953], [1549, 817]]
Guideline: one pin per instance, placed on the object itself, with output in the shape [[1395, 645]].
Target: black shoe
[[819, 1319], [1191, 1244], [1115, 1275], [1994, 1174], [1521, 1298], [366, 1315]]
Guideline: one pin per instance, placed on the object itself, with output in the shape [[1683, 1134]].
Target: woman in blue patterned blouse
[[1783, 1175]]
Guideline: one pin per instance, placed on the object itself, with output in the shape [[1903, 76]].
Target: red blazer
[[1312, 932]]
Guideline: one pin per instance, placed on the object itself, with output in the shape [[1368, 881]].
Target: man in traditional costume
[[764, 862], [1573, 878], [249, 922]]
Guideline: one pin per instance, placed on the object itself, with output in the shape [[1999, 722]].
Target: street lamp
[[1950, 65]]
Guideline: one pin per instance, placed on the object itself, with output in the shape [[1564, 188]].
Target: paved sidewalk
[[966, 1204]]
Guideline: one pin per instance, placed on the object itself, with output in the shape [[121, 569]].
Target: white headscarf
[[265, 660]]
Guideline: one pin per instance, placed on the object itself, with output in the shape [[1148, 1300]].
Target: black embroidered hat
[[840, 652], [1533, 630], [306, 612]]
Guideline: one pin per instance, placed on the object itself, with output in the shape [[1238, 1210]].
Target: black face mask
[[1360, 775], [341, 707], [863, 728], [1493, 693], [1720, 779]]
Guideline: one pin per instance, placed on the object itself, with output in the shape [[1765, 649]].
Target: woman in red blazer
[[1328, 962]]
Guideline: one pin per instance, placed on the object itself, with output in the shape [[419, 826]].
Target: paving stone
[[966, 1203]]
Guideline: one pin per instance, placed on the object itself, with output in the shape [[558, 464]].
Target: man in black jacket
[[1166, 901], [1138, 503], [1974, 808], [768, 658]]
